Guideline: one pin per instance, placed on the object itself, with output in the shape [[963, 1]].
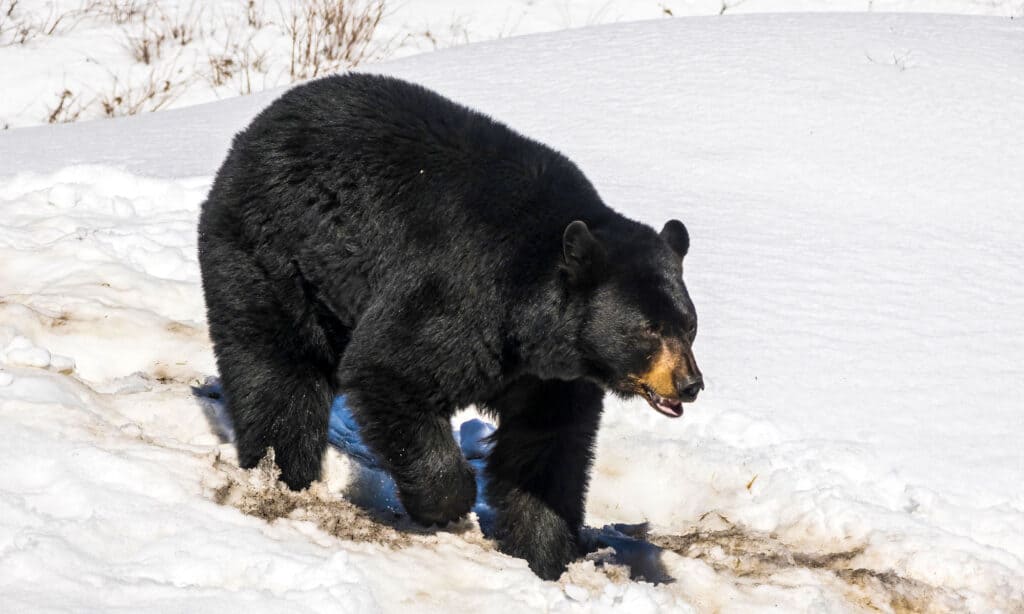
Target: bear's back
[[403, 151], [373, 176]]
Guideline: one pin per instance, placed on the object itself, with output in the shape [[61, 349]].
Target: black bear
[[367, 236]]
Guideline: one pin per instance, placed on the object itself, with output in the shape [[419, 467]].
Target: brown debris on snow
[[259, 493], [750, 555]]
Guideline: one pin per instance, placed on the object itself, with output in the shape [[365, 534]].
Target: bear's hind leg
[[276, 361], [275, 404], [539, 467]]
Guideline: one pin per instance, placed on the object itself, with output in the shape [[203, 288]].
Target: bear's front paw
[[551, 562], [530, 530], [548, 554], [441, 498]]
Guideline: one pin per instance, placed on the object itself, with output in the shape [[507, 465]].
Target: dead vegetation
[[330, 34], [242, 62], [160, 29], [242, 48], [456, 33], [259, 493], [18, 25], [67, 109], [161, 87], [756, 557], [122, 11]]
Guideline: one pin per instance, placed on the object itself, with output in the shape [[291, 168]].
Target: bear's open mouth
[[670, 407]]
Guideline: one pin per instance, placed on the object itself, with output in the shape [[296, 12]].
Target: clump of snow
[[20, 351], [847, 183]]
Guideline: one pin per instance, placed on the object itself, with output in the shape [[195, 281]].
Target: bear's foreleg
[[406, 423], [539, 467], [435, 483]]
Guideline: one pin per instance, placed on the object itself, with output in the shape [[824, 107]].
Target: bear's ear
[[584, 257], [674, 233]]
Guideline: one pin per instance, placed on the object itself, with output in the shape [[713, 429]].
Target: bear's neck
[[548, 340]]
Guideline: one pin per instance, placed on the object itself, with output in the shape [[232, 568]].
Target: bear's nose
[[688, 388]]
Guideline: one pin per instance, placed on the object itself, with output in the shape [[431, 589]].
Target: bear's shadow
[[373, 489]]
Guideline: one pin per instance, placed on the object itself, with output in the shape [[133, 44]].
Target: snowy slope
[[84, 60], [852, 187]]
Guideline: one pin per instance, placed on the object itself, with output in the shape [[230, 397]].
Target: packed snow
[[852, 187]]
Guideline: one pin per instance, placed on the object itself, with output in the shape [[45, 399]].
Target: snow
[[90, 59], [851, 184]]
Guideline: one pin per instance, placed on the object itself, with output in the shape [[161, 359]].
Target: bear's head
[[638, 322]]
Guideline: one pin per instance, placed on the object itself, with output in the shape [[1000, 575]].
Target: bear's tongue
[[669, 407]]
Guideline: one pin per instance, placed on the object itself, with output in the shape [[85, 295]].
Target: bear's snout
[[673, 378], [688, 379], [689, 386]]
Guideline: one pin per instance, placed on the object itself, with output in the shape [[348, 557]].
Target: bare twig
[[68, 108], [18, 29], [161, 87]]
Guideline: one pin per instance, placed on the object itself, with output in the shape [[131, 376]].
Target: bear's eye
[[652, 330]]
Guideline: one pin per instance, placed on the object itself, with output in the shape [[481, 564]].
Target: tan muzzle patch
[[673, 363]]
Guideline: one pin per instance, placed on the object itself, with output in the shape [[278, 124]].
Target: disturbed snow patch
[[259, 492], [752, 557]]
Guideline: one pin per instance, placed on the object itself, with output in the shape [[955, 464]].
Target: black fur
[[366, 236]]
